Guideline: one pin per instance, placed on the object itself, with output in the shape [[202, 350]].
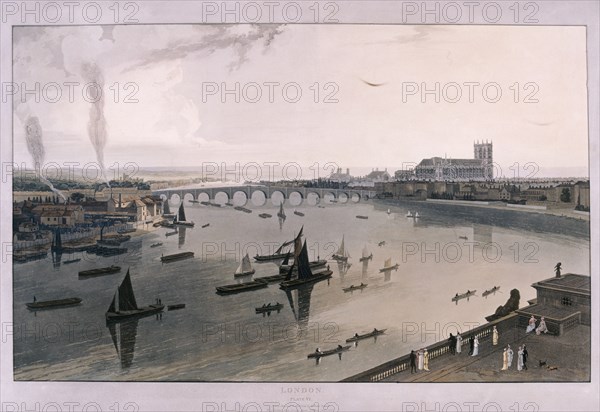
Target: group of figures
[[455, 344], [541, 328], [508, 354], [419, 360]]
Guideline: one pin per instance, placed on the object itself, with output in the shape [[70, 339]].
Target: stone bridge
[[340, 195]]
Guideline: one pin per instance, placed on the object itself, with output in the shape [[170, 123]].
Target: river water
[[220, 338]]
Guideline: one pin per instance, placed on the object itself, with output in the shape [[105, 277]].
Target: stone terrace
[[570, 353]]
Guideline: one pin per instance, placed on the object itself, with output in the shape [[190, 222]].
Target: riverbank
[[559, 221]]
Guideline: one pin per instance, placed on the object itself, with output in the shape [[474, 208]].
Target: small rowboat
[[100, 271], [206, 225], [382, 243], [366, 335], [328, 352], [66, 262], [269, 308], [463, 237], [362, 217], [490, 291], [265, 215], [463, 295], [352, 287], [298, 213], [54, 303], [156, 244], [177, 306]]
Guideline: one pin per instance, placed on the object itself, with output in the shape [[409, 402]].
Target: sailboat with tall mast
[[342, 254], [124, 305], [281, 213], [181, 220], [245, 268], [365, 255], [387, 266], [304, 274], [167, 209], [280, 253]]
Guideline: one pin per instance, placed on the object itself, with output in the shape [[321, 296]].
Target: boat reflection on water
[[123, 335], [299, 300], [365, 268], [343, 267], [182, 230]]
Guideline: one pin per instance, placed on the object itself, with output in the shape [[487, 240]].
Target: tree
[[77, 197], [565, 196]]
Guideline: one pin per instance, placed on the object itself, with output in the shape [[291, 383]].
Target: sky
[[361, 103]]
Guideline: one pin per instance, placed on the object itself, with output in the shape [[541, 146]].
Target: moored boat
[[124, 305], [157, 244], [67, 262], [357, 337], [100, 271], [176, 306], [362, 217], [181, 220], [242, 209], [176, 256], [206, 225], [304, 274], [48, 304], [298, 213], [241, 287], [265, 215]]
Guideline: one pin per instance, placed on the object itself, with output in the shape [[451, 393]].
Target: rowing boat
[[490, 291], [269, 308], [463, 295], [352, 287], [358, 337], [54, 303], [328, 352]]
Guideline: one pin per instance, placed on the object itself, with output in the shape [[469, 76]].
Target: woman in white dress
[[542, 328], [426, 360], [510, 354], [531, 325], [520, 359], [458, 342], [494, 336], [475, 347], [505, 359], [420, 360]]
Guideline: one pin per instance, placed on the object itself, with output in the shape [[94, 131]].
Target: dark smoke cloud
[[92, 74]]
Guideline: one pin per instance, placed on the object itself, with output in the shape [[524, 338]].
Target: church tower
[[484, 152]]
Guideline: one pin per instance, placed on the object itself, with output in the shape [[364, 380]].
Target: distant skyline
[[172, 68]]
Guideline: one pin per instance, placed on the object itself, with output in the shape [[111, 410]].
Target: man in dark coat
[[471, 345], [452, 344], [525, 354], [413, 361]]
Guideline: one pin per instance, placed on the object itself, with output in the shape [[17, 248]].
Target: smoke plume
[[35, 146], [92, 74]]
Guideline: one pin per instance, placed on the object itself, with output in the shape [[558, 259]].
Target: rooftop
[[567, 282]]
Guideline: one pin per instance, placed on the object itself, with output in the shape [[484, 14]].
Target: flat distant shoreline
[[559, 221]]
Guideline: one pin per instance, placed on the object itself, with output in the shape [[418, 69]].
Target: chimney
[[120, 200]]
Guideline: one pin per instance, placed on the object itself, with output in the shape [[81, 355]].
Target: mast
[[181, 213], [126, 296]]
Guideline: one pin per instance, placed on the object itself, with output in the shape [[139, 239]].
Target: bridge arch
[[175, 197], [254, 197], [292, 198], [275, 194], [355, 197], [239, 198], [220, 194], [313, 194]]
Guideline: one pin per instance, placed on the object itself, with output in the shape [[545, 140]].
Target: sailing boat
[[279, 254], [389, 212], [304, 274], [167, 209], [245, 268], [365, 255], [387, 266], [281, 213], [341, 254], [182, 220], [124, 306], [409, 214]]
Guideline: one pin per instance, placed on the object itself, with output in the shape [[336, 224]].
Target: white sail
[[341, 251], [417, 214], [365, 252], [246, 265], [388, 263]]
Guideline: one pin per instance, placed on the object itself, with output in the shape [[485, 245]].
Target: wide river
[[449, 249]]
